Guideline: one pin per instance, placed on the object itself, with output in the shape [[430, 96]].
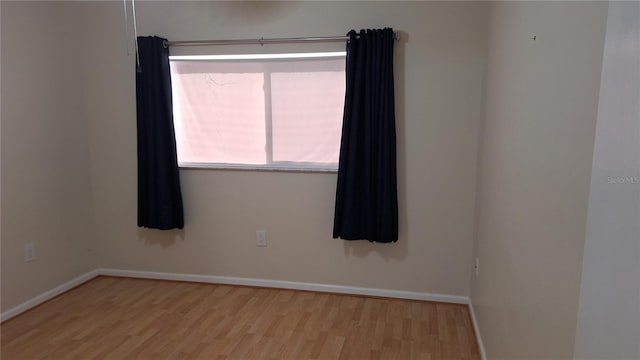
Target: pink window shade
[[259, 112], [218, 115], [307, 108]]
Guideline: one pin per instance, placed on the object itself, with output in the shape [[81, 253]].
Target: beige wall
[[86, 88], [439, 69], [535, 169], [45, 163], [76, 198], [609, 313]]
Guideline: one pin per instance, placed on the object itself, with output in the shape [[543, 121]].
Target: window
[[278, 111]]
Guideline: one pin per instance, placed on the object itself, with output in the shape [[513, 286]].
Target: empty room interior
[[494, 215]]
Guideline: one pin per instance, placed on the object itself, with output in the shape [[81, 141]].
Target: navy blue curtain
[[366, 197], [159, 197]]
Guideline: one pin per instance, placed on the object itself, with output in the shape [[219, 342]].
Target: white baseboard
[[280, 284], [476, 328], [294, 285], [47, 295]]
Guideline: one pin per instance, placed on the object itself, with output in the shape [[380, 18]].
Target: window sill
[[252, 167]]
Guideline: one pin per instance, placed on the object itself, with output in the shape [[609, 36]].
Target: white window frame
[[284, 166]]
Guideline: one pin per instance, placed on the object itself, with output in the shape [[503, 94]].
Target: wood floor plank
[[122, 318]]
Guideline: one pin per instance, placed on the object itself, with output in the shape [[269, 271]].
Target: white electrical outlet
[[29, 252], [477, 267], [261, 238]]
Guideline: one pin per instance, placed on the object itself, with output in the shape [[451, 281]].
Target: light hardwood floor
[[122, 318]]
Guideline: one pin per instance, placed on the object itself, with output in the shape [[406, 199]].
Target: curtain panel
[[366, 205], [159, 196]]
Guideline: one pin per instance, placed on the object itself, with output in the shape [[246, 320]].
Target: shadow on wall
[[400, 249], [164, 238], [388, 251], [254, 12]]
